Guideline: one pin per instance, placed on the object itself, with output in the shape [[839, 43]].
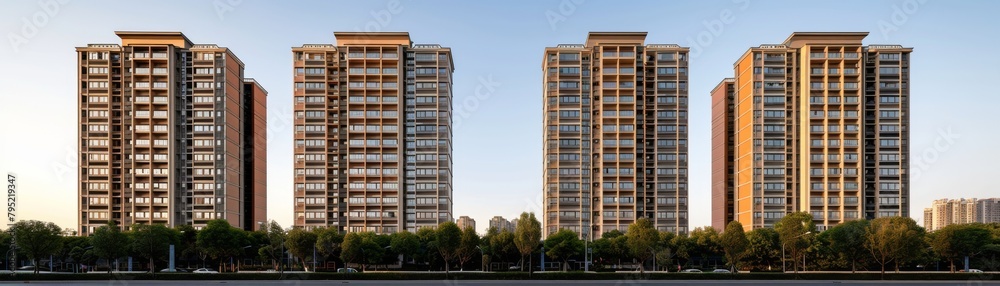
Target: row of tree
[[895, 242]]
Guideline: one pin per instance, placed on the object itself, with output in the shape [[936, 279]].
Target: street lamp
[[783, 252], [653, 252], [482, 258]]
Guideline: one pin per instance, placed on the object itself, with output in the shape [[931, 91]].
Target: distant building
[[928, 218], [988, 210], [501, 224], [945, 212], [465, 221]]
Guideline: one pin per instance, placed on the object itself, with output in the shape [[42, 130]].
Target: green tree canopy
[[959, 240], [220, 240], [37, 239], [641, 237], [894, 240], [793, 230], [467, 247], [848, 241], [109, 243], [734, 244], [301, 243], [153, 242], [763, 248], [563, 245], [449, 239], [527, 235], [328, 241], [404, 243]]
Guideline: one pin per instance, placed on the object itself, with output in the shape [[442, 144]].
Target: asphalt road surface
[[511, 282]]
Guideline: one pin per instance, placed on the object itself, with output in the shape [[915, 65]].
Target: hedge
[[502, 276]]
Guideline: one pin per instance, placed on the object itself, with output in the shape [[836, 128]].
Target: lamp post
[[482, 258], [653, 252], [783, 253]]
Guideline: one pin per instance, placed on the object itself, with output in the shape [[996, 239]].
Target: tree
[[301, 243], [82, 255], [467, 248], [792, 230], [960, 240], [220, 240], [611, 247], [404, 243], [428, 252], [563, 245], [666, 249], [108, 241], [37, 239], [274, 249], [503, 246], [734, 244], [704, 242], [351, 251], [188, 245], [70, 243], [764, 247], [152, 242], [893, 240], [485, 243], [527, 234], [363, 248], [448, 238], [328, 242], [848, 240], [640, 238]]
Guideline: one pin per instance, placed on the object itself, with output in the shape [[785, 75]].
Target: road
[[511, 282]]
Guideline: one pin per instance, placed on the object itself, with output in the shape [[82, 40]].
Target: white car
[[692, 270], [721, 271], [205, 270]]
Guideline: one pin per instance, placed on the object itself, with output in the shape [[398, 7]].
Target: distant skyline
[[498, 103]]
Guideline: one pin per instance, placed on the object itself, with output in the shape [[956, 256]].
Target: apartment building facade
[[988, 210], [465, 221], [946, 212], [722, 153], [820, 124], [500, 224], [170, 133], [373, 138], [615, 143]]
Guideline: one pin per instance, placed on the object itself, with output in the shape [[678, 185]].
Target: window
[[569, 57]]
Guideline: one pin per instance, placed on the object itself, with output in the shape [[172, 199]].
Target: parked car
[[972, 271], [175, 270], [32, 268], [721, 271], [347, 270], [205, 270], [692, 270]]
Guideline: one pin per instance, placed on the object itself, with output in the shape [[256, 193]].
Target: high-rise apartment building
[[465, 221], [615, 144], [722, 153], [501, 224], [819, 124], [170, 132], [946, 212], [988, 210], [373, 139]]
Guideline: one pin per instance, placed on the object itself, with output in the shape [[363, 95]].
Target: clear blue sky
[[499, 45]]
